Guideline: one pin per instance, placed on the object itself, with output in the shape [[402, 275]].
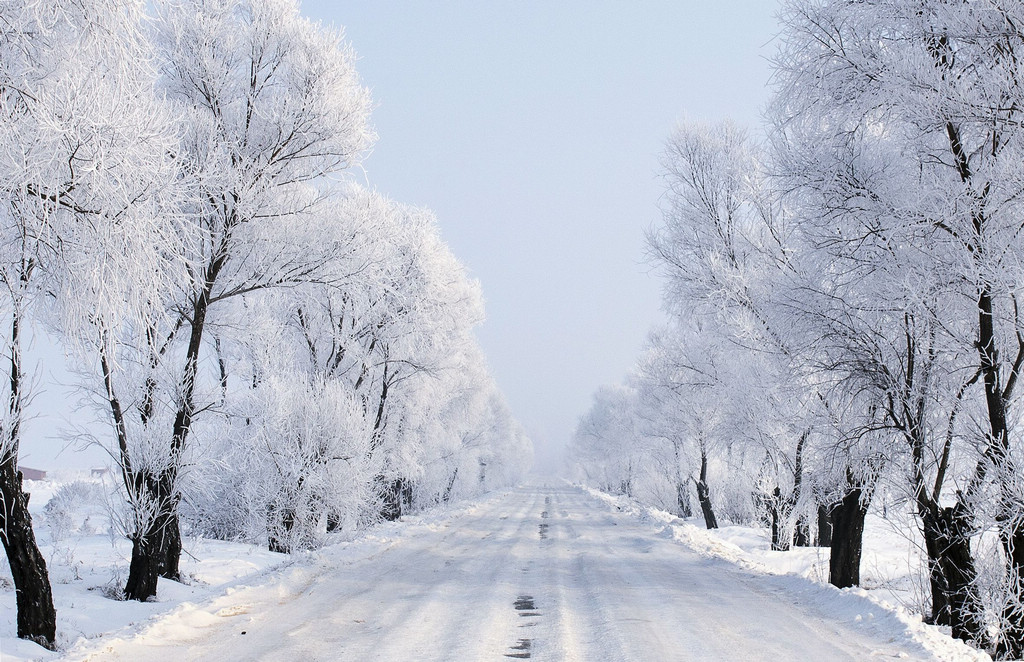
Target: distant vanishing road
[[544, 573]]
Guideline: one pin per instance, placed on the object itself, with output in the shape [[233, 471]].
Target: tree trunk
[[824, 526], [396, 495], [802, 532], [160, 540], [847, 537], [171, 552], [704, 495], [780, 509], [144, 569], [683, 500], [282, 544], [37, 618], [778, 512], [446, 497], [947, 536], [998, 395], [379, 422], [682, 493], [1011, 639], [762, 508], [705, 505], [391, 506], [157, 540]]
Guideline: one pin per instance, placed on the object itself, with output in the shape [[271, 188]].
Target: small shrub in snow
[[74, 508], [70, 514]]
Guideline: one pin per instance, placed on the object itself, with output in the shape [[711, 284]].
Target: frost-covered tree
[[607, 442], [738, 373], [398, 328], [271, 107], [898, 125], [387, 339], [287, 354], [463, 427], [85, 174], [308, 456], [726, 248], [423, 310], [679, 388]]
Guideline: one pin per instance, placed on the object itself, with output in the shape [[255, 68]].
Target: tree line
[[843, 296], [278, 351]]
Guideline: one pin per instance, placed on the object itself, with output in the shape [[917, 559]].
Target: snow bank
[[74, 517]]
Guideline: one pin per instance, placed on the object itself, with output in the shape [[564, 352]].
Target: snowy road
[[545, 572]]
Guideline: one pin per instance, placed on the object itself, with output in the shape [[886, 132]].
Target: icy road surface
[[545, 572]]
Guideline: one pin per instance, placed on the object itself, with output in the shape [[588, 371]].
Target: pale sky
[[532, 129]]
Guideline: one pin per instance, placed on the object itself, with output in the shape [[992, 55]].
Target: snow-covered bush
[[79, 507]]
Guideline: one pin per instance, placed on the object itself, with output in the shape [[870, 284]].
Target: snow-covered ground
[[88, 563], [546, 571], [891, 568]]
